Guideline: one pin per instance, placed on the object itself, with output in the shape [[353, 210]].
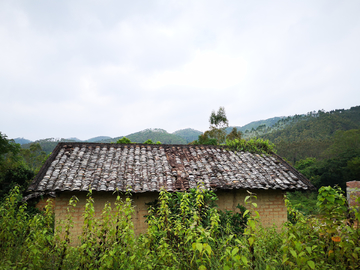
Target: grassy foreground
[[194, 236]]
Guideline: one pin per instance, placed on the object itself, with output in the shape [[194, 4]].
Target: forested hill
[[314, 125], [308, 135], [324, 146]]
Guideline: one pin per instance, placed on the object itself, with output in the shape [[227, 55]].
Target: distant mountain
[[22, 141], [155, 135], [48, 144], [74, 139], [98, 139], [188, 134]]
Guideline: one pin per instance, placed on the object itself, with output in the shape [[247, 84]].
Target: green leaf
[[251, 241], [293, 252], [309, 250], [208, 248], [244, 260], [251, 224], [311, 264], [199, 247], [234, 251]]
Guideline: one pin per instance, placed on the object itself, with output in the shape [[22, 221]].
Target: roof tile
[[142, 168]]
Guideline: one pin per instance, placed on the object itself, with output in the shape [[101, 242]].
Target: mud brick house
[[74, 168], [353, 193]]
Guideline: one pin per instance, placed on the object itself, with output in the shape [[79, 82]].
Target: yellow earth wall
[[271, 206]]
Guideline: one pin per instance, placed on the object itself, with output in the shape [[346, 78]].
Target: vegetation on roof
[[256, 146]]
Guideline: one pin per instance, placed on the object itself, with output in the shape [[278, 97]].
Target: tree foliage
[[8, 149], [18, 166], [218, 124], [217, 130], [123, 140], [34, 157], [205, 139], [234, 134], [337, 163]]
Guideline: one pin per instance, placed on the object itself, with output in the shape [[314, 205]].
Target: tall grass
[[193, 238]]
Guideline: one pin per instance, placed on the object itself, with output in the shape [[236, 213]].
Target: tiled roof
[[142, 168]]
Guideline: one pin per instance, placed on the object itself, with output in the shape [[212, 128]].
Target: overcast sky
[[90, 68]]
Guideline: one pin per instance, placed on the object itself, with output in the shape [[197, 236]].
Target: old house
[[74, 168]]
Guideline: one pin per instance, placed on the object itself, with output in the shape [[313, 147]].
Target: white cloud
[[115, 67], [208, 70]]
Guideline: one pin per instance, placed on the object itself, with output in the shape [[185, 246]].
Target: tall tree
[[218, 124]]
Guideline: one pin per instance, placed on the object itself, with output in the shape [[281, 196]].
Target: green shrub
[[185, 231]]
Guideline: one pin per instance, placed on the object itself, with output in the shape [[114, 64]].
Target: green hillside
[[320, 125], [324, 146], [309, 135], [188, 134]]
